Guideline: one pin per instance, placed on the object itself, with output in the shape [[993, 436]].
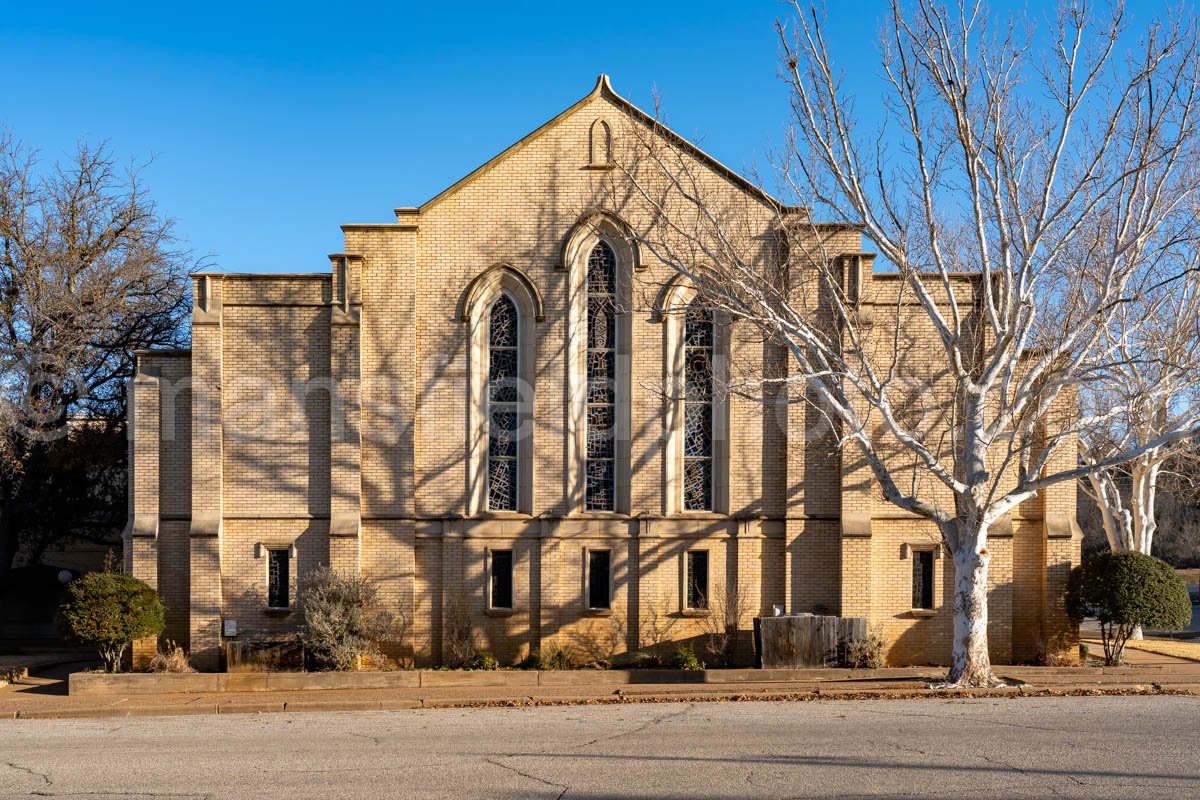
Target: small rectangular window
[[922, 584], [697, 580], [278, 562], [501, 579], [599, 579]]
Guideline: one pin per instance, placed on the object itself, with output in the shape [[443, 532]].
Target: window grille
[[503, 413], [698, 341], [278, 562], [601, 378]]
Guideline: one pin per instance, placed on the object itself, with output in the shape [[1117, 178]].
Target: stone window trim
[[475, 309], [911, 551], [685, 563], [676, 299], [586, 235], [600, 145], [588, 607], [263, 550], [490, 608]]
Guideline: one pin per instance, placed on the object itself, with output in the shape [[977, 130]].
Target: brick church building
[[467, 409]]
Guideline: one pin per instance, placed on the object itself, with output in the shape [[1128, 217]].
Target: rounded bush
[[109, 610], [484, 659], [685, 658], [1125, 590], [343, 623]]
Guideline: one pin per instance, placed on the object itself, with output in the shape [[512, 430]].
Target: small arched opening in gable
[[600, 144]]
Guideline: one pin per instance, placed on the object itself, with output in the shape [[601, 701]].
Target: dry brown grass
[[1188, 650], [1162, 647], [170, 658]]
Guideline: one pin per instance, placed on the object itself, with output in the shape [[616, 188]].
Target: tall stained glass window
[[503, 416], [698, 339], [601, 378]]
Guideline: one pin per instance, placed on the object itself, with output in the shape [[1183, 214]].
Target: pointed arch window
[[503, 396], [699, 339], [600, 491]]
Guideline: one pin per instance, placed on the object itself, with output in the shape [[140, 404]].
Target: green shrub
[[643, 660], [109, 610], [484, 659], [1125, 590], [685, 658], [342, 623], [557, 658]]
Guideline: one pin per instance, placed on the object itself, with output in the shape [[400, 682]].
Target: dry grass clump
[[170, 658]]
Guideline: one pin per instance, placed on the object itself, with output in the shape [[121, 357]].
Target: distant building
[[469, 408]]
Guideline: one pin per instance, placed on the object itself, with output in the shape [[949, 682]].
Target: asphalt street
[[1093, 747]]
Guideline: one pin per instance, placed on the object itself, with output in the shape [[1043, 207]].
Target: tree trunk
[[1144, 485], [971, 665]]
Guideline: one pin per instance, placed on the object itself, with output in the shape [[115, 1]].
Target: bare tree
[[728, 608], [1150, 390], [89, 272], [458, 634], [1024, 187]]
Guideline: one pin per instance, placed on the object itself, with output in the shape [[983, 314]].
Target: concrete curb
[[100, 684], [792, 694]]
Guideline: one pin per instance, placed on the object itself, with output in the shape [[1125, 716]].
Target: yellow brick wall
[[244, 573], [807, 528], [276, 409]]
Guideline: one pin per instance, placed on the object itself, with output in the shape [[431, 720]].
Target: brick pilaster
[[205, 533], [858, 482], [345, 442], [142, 538], [454, 600]]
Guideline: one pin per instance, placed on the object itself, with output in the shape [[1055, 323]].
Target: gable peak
[[603, 86]]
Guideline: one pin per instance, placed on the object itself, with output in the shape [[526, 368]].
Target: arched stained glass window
[[698, 341], [601, 378], [503, 411]]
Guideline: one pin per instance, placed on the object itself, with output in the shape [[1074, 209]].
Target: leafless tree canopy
[[89, 272], [1150, 390], [1032, 185]]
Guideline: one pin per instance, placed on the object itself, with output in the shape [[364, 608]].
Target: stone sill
[[924, 612], [501, 612]]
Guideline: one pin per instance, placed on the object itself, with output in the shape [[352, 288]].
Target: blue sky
[[271, 124]]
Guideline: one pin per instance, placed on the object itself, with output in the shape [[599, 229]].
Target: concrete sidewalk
[[17, 666], [45, 696]]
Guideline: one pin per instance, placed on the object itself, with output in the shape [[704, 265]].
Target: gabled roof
[[603, 88]]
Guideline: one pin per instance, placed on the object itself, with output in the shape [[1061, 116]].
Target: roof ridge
[[603, 88]]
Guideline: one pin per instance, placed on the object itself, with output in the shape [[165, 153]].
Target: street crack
[[529, 776], [45, 778], [661, 718]]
